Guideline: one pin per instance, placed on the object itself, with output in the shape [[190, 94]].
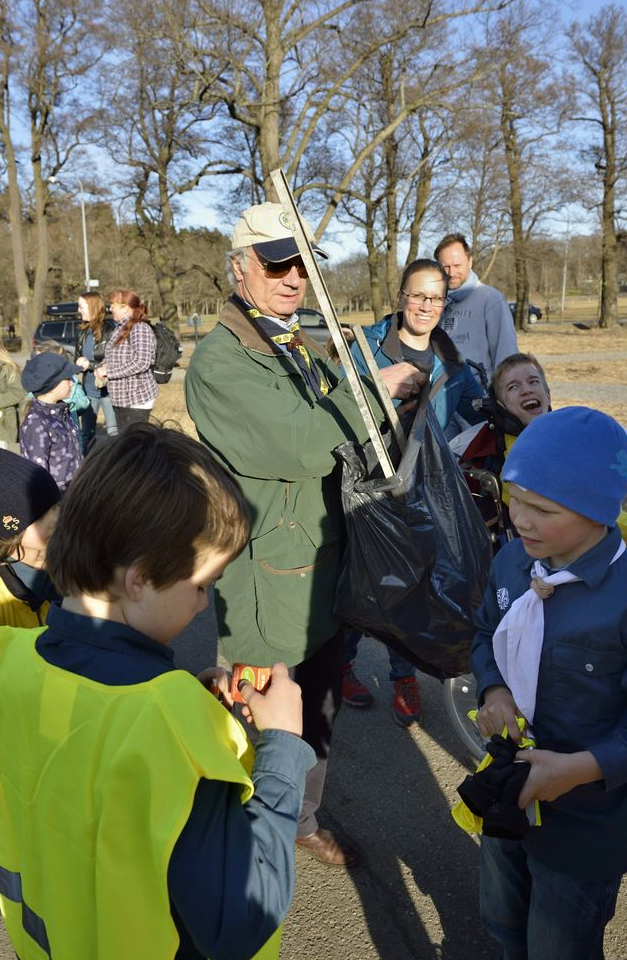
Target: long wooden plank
[[326, 305]]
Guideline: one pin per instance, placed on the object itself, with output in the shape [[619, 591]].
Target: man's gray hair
[[239, 254]]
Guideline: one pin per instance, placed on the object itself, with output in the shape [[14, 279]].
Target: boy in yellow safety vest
[[135, 819]]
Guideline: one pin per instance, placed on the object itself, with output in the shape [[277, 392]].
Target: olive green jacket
[[12, 395], [250, 405]]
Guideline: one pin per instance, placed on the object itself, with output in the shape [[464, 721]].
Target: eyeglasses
[[276, 271], [421, 298]]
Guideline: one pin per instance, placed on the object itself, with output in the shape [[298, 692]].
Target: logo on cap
[[621, 463], [285, 221], [10, 523]]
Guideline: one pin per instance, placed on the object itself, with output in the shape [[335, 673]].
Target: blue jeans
[[90, 416], [399, 666], [535, 913]]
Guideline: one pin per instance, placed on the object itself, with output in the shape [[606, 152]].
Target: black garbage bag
[[418, 553]]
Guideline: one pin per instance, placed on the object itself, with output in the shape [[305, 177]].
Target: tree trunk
[[373, 265], [513, 162], [608, 316]]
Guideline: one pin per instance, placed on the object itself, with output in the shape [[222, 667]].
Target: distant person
[[77, 401], [477, 317], [91, 342], [137, 822], [49, 434], [129, 357], [551, 648], [11, 330], [12, 395]]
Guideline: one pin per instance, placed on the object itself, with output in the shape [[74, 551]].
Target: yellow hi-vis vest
[[96, 784]]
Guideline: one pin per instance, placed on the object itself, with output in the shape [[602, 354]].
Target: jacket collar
[[440, 342], [250, 333]]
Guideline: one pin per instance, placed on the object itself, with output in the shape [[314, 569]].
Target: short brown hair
[[449, 240], [516, 360], [151, 496]]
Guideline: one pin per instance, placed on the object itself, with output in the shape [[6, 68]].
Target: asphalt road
[[414, 894]]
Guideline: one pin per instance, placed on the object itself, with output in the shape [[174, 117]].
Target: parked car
[[313, 323], [60, 324], [533, 313]]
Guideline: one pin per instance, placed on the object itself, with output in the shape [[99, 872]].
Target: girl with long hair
[[91, 343]]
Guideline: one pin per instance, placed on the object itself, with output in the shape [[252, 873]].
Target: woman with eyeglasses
[[412, 334]]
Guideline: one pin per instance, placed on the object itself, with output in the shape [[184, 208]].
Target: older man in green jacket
[[273, 408]]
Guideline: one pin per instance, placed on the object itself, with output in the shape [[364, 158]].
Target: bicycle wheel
[[459, 698]]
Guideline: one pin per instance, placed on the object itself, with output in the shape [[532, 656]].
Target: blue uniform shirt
[[581, 701]]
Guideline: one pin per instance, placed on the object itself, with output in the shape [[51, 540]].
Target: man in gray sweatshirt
[[476, 317]]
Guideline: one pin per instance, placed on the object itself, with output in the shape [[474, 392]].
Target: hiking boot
[[407, 706], [354, 693]]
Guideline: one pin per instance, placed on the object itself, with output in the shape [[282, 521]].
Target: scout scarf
[[287, 335], [518, 639]]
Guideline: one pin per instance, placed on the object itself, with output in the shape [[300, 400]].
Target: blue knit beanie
[[576, 457]]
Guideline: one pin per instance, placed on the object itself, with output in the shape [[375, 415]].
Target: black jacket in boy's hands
[[492, 793]]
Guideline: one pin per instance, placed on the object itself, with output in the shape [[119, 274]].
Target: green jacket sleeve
[[12, 392]]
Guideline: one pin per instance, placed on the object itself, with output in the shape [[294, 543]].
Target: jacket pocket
[[294, 587], [589, 680]]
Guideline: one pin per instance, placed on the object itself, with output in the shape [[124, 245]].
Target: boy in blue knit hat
[[551, 647]]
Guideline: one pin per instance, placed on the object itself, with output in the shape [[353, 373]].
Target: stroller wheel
[[459, 698]]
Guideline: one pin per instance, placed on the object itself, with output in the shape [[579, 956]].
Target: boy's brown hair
[[516, 360], [151, 496]]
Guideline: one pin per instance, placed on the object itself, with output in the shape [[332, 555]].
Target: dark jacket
[[94, 350], [459, 389], [49, 436]]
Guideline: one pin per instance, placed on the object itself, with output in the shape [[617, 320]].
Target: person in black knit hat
[[29, 504]]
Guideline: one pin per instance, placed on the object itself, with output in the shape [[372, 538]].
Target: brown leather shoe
[[324, 847]]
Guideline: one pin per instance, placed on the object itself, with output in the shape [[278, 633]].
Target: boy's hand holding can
[[279, 707]]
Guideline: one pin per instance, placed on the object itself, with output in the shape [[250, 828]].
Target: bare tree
[[47, 47], [158, 134], [291, 67], [601, 48], [524, 106]]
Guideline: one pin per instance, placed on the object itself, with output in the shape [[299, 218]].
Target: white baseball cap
[[269, 230]]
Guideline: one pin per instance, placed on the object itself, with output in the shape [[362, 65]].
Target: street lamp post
[[85, 248], [89, 283]]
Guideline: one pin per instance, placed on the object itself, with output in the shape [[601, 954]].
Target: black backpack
[[168, 352]]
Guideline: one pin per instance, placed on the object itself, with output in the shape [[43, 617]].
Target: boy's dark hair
[[151, 496], [516, 360], [450, 239]]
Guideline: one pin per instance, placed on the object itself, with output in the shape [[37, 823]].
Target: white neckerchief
[[518, 639]]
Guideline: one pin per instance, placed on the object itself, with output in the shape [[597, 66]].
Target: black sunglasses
[[276, 271]]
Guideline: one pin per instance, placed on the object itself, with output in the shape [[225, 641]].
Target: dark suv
[[60, 324]]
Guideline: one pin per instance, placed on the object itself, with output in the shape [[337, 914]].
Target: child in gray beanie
[[551, 647]]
